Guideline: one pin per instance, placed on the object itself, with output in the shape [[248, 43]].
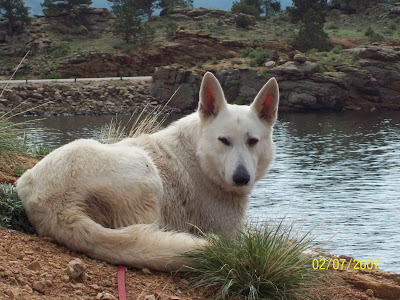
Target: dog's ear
[[212, 99], [266, 102]]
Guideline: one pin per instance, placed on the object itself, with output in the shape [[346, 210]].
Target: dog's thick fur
[[143, 201]]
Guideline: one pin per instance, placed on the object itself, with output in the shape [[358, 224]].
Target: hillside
[[54, 45]]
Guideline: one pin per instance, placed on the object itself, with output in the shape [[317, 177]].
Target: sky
[[221, 4]]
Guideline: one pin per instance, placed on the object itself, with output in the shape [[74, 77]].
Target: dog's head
[[235, 146]]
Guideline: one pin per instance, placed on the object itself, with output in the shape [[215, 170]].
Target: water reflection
[[337, 172]]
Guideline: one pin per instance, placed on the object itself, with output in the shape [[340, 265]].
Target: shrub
[[54, 75], [170, 30], [267, 262], [12, 214], [94, 35], [214, 61], [258, 56], [61, 49], [66, 38], [334, 15], [146, 35], [369, 31], [393, 25], [337, 50], [244, 8], [242, 21]]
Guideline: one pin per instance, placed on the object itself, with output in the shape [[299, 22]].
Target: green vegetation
[[311, 34], [257, 56], [170, 30], [263, 262], [60, 49], [40, 150], [301, 7], [242, 21], [12, 214], [16, 13], [373, 36], [10, 136], [248, 7], [127, 19]]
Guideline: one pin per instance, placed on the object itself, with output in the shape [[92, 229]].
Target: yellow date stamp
[[343, 264]]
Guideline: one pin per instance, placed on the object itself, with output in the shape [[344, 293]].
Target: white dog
[[141, 202]]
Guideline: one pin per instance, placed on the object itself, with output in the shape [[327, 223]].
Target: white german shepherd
[[143, 201]]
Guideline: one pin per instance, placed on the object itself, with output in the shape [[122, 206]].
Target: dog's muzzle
[[241, 176]]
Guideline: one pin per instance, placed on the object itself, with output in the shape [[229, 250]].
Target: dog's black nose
[[241, 176]]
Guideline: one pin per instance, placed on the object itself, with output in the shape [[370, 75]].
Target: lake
[[338, 174]]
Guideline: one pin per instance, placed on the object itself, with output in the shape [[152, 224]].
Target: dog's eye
[[224, 141], [252, 141]]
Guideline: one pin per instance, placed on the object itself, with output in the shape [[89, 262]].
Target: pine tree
[[301, 7], [65, 5], [127, 19], [271, 7], [16, 13], [249, 7], [145, 7], [311, 34]]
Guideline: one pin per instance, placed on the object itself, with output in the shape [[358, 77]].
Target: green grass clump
[[10, 136], [267, 262], [40, 150], [12, 214]]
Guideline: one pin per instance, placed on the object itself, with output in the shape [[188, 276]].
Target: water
[[337, 173]]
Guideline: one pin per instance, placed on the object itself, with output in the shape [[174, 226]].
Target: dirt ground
[[40, 268]]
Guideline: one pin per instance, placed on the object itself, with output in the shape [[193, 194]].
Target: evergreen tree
[[145, 7], [249, 7], [311, 34], [16, 13], [271, 7], [127, 19], [65, 5], [301, 7]]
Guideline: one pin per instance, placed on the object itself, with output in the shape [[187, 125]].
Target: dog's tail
[[140, 245]]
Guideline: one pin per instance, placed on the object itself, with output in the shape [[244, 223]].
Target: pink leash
[[121, 283]]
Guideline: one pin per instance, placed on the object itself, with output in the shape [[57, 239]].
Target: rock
[[303, 98], [34, 265], [76, 268], [369, 293], [351, 6], [146, 271], [105, 296], [83, 30], [300, 58], [178, 17], [40, 286], [236, 61], [270, 64]]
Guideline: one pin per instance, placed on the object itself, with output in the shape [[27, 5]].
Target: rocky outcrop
[[188, 48], [198, 14], [114, 97], [374, 85], [352, 6], [84, 20]]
